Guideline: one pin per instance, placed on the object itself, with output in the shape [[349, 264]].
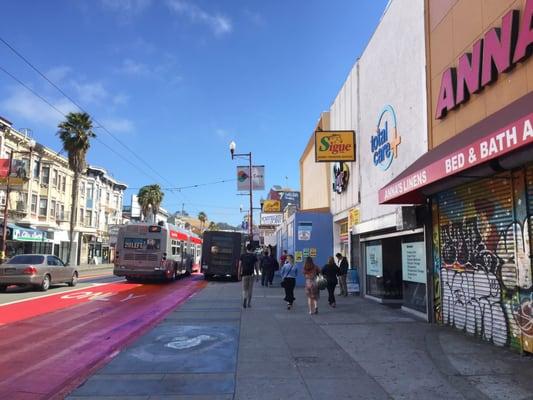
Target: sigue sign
[[498, 51], [334, 146]]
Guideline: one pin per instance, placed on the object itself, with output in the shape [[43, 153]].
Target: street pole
[[251, 201], [4, 226]]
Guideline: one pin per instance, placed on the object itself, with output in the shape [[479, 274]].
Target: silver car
[[37, 270]]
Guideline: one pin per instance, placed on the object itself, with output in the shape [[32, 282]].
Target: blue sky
[[177, 80]]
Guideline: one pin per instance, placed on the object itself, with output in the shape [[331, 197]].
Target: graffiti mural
[[482, 250]]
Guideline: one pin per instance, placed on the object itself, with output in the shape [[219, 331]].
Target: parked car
[[37, 270]]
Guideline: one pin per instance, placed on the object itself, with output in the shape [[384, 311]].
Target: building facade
[[39, 203], [478, 173]]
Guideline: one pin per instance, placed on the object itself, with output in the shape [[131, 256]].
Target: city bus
[[220, 253], [162, 251]]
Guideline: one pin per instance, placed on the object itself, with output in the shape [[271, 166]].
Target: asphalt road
[[87, 279], [50, 341]]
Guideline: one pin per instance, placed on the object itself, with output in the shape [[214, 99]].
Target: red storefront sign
[[496, 144]]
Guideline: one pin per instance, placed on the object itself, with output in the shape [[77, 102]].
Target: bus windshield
[[142, 244]]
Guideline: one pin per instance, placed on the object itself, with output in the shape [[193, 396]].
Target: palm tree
[[150, 197], [212, 226], [202, 216], [75, 132]]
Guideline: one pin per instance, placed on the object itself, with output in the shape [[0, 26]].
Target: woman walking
[[288, 280], [331, 271], [311, 288]]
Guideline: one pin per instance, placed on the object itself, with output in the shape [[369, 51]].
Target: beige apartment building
[[39, 203]]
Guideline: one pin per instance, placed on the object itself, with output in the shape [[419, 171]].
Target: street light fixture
[[232, 147], [31, 145]]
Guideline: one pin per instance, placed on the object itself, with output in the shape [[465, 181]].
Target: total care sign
[[509, 138]]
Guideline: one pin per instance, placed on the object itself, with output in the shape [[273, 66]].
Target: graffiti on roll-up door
[[485, 265]]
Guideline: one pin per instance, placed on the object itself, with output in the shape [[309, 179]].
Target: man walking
[[246, 271], [343, 267]]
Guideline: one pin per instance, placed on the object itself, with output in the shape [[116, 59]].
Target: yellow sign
[[298, 256], [334, 146], [271, 206], [354, 217], [312, 252]]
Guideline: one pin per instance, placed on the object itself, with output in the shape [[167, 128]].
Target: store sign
[[497, 52], [414, 262], [20, 170], [341, 177], [272, 206], [272, 219], [258, 177], [354, 217], [28, 235], [384, 144], [509, 138], [334, 146], [374, 260]]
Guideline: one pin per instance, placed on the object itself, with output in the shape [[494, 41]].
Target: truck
[[221, 252]]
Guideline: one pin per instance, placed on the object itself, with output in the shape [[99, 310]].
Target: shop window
[[344, 228], [414, 272], [46, 175], [43, 207], [34, 203], [383, 261]]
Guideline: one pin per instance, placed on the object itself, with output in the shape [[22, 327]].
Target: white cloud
[[58, 74], [118, 125], [221, 133], [132, 67], [162, 72], [20, 103], [219, 24], [90, 92], [129, 7]]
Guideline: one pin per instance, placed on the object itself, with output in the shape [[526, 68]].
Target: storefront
[[478, 175], [21, 240], [384, 103]]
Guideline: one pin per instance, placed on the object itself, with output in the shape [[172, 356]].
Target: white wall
[[314, 182], [392, 71]]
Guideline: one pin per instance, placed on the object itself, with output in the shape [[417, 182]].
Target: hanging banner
[[20, 171], [243, 177], [334, 146], [354, 217]]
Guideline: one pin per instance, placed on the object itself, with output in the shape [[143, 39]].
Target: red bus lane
[[50, 345]]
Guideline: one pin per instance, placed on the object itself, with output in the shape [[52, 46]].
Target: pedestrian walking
[[276, 268], [267, 268], [288, 279], [246, 271], [311, 288], [343, 272], [331, 271], [257, 265]]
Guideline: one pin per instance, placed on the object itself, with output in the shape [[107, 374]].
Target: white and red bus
[[156, 251]]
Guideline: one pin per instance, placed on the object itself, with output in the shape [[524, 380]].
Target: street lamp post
[[31, 145], [232, 147]]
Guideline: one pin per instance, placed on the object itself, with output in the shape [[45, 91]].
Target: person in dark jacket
[[331, 271], [267, 268], [343, 267]]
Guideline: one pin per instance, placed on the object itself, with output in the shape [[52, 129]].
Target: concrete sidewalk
[[210, 348]]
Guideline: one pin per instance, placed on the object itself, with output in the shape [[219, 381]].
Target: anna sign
[[498, 51]]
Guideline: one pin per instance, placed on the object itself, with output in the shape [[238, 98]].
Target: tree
[[76, 133], [202, 216], [150, 197], [187, 225], [212, 226]]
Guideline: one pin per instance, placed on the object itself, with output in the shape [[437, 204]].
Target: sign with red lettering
[[498, 51], [334, 146], [503, 141]]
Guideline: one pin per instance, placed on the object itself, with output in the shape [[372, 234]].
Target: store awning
[[501, 141], [21, 234]]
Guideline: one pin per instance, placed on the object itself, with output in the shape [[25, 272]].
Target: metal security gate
[[476, 251]]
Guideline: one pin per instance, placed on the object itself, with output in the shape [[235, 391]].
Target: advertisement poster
[[312, 252], [414, 262], [304, 230], [271, 206], [306, 252], [298, 256], [258, 177], [271, 219], [374, 260]]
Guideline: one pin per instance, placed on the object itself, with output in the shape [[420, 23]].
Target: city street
[[211, 348], [50, 341]]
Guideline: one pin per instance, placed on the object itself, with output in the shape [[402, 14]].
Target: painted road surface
[[48, 345]]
